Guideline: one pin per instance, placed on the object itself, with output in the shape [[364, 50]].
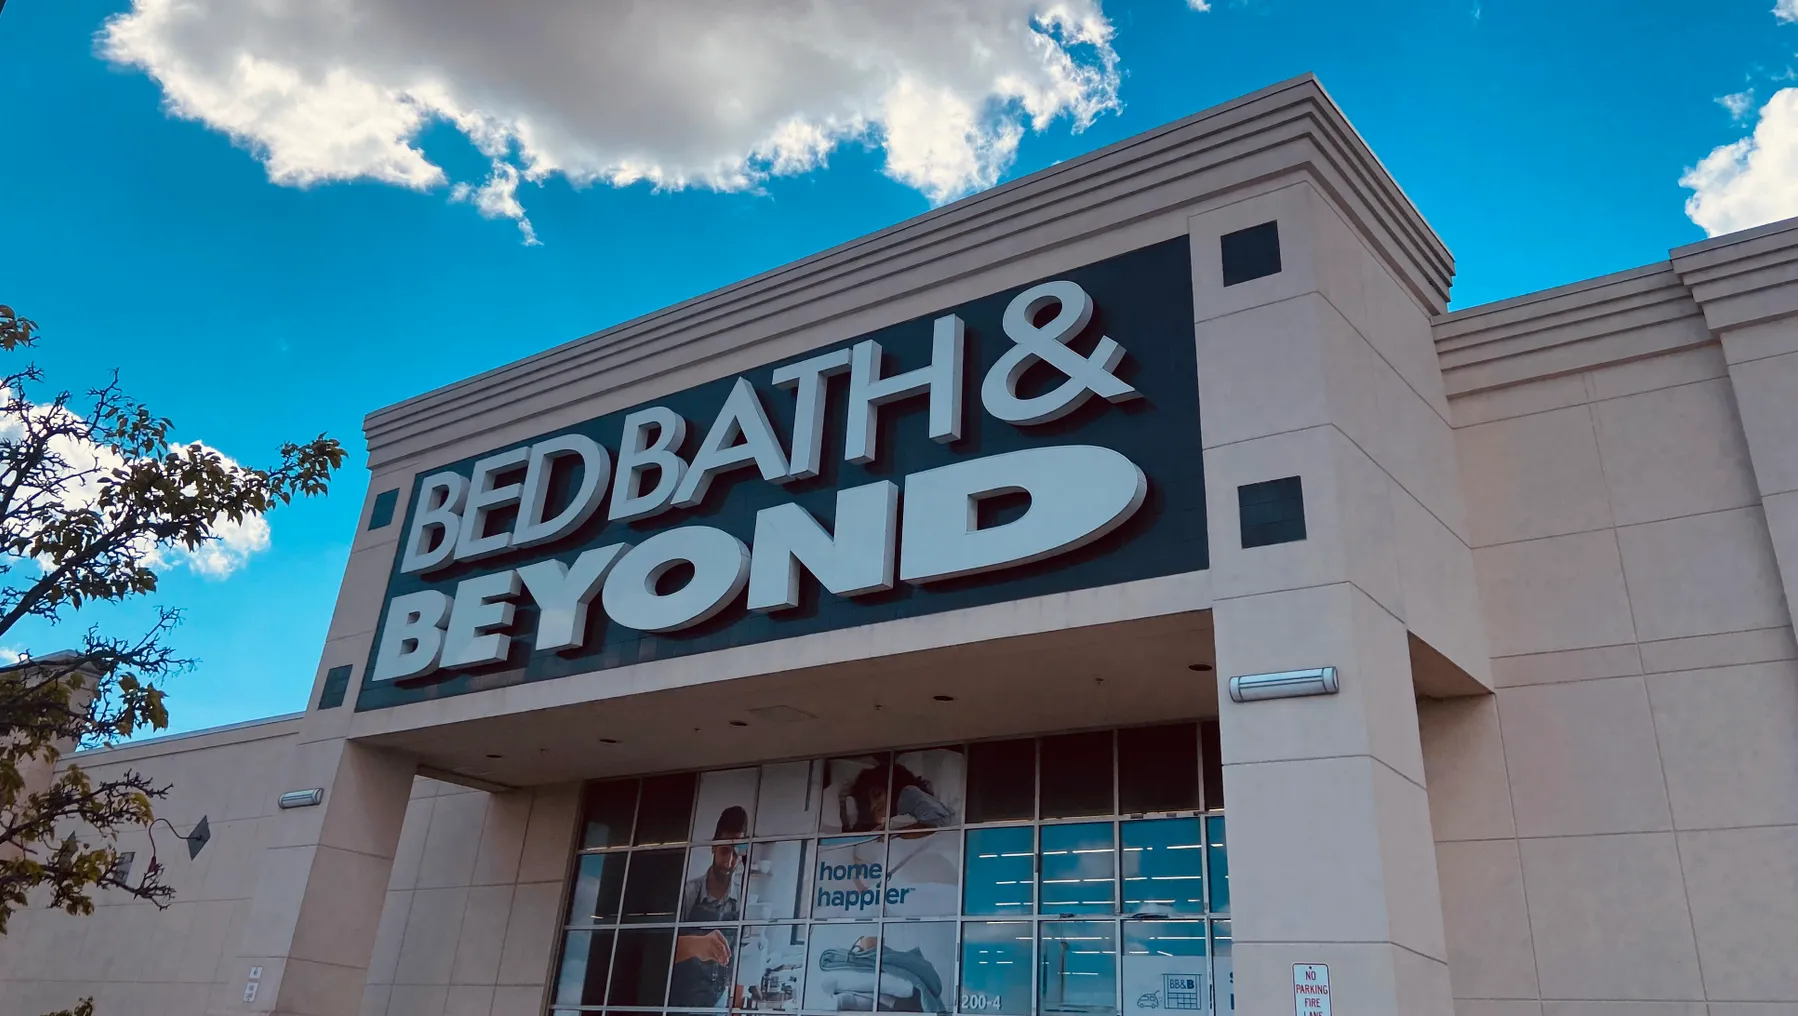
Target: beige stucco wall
[[1617, 825], [127, 955]]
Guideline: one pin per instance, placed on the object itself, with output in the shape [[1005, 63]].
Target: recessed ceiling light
[[1202, 668], [738, 723], [944, 698]]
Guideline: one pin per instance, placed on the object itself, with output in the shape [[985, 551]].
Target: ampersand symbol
[[1086, 375]]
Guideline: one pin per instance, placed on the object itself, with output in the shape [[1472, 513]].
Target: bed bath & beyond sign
[[577, 526]]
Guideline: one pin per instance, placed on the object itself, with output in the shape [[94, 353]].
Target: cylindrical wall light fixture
[[302, 798], [1285, 684]]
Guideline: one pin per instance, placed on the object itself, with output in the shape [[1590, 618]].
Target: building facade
[[1126, 589]]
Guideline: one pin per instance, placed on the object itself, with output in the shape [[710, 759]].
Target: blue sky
[[1544, 140]]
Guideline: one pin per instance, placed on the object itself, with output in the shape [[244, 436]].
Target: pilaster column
[[1325, 371], [322, 883]]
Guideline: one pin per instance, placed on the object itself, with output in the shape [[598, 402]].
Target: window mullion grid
[[1034, 920]]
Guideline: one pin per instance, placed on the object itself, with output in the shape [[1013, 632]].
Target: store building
[[893, 631]]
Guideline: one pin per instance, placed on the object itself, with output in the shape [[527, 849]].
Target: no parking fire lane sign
[[1311, 989]]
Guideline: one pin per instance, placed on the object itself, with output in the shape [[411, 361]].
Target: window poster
[[725, 802], [770, 968], [788, 802], [702, 964], [839, 969], [856, 884], [775, 884], [923, 874], [851, 969], [1164, 966], [851, 877], [917, 967], [870, 793], [713, 887], [850, 788], [928, 789]]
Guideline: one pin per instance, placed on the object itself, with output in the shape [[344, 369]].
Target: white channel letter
[[1078, 493], [412, 636], [596, 473], [857, 559], [636, 453], [1084, 376], [868, 391], [740, 436], [811, 381], [564, 592], [720, 567], [440, 498], [483, 498], [482, 607]]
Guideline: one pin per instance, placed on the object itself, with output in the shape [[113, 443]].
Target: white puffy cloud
[[1786, 10], [232, 544], [1751, 181], [1739, 104], [676, 93]]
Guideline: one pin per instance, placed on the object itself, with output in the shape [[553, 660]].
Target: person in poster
[[702, 956], [911, 803], [712, 894], [701, 967]]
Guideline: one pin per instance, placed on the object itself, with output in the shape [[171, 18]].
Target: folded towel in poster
[[907, 964]]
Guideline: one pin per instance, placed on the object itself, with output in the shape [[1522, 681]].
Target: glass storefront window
[[1147, 782], [652, 886], [1223, 965], [640, 967], [1219, 860], [995, 967], [1164, 965], [598, 883], [665, 809], [1077, 968], [1002, 781], [1078, 873], [610, 806], [1164, 867], [1001, 872], [1079, 869], [586, 958], [1074, 776]]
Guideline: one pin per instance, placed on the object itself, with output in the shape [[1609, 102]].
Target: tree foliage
[[95, 496]]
